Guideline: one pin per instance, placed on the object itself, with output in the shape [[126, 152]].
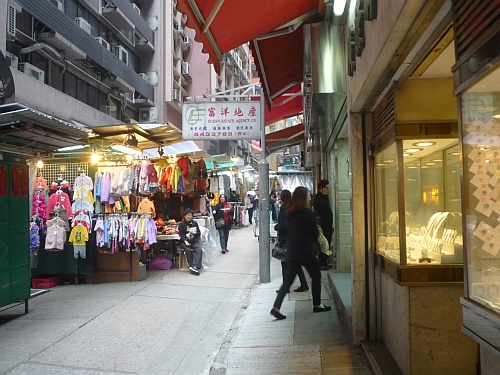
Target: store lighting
[[71, 148], [94, 158], [126, 150], [129, 158], [413, 150], [39, 164], [424, 144], [338, 7]]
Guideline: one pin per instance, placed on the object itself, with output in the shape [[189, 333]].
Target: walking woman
[[302, 233], [282, 229], [223, 210]]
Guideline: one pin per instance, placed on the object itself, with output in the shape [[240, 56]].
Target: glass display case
[[480, 109], [418, 202]]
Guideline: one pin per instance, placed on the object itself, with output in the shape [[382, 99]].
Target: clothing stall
[[107, 222]]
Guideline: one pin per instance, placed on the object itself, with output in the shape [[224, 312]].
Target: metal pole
[[264, 251]]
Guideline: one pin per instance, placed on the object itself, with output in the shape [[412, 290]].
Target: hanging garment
[[55, 239]]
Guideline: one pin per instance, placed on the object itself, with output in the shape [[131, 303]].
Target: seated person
[[189, 233]]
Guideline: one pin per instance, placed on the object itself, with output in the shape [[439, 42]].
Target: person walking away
[[249, 207], [190, 241], [282, 229], [256, 203], [323, 210], [302, 233], [222, 210]]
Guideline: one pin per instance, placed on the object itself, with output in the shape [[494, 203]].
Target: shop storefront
[[476, 83]]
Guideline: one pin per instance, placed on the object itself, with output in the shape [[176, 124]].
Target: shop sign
[[221, 120]]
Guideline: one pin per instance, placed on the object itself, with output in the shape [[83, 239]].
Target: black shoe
[[301, 289], [277, 314], [194, 271], [277, 290], [321, 309]]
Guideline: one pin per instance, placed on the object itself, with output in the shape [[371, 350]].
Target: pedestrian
[[302, 234], [223, 210], [249, 207], [190, 241], [323, 210], [282, 229]]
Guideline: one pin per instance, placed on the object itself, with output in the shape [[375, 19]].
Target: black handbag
[[220, 223], [280, 251]]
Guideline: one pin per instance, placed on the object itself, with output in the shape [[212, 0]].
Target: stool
[[183, 263]]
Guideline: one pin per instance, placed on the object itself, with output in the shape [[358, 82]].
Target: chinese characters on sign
[[221, 120]]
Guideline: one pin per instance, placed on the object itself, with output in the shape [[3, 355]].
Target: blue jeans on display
[[224, 236]]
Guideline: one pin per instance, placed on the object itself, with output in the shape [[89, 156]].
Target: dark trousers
[[250, 214], [193, 254], [300, 274], [224, 236], [311, 265]]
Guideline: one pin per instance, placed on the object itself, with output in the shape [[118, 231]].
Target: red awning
[[286, 105], [222, 25], [280, 60], [292, 133]]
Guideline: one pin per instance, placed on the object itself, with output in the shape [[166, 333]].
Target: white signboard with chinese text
[[221, 120]]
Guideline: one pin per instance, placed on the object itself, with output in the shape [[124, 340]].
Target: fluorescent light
[[338, 7], [71, 148], [126, 150]]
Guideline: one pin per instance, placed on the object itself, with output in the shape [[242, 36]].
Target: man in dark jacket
[[323, 210], [189, 233]]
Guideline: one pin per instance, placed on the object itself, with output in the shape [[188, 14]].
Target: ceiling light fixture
[[131, 140], [39, 164], [413, 150], [71, 148], [424, 144], [126, 150]]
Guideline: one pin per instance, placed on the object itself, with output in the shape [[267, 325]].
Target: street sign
[[221, 120]]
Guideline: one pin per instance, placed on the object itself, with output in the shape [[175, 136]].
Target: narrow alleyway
[[177, 323]]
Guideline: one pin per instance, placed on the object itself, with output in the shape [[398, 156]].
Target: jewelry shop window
[[480, 108], [425, 228]]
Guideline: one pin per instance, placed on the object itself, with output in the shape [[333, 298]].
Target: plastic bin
[[46, 282]]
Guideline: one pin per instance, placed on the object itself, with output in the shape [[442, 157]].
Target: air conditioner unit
[[187, 41], [185, 69], [148, 114], [32, 71], [11, 21], [144, 76], [80, 21], [136, 8], [176, 95], [122, 54], [103, 42], [58, 4]]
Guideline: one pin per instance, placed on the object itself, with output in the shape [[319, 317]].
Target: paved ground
[[177, 323]]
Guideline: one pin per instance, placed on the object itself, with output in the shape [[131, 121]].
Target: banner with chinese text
[[221, 120]]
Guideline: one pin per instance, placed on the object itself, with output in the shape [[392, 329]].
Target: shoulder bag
[[220, 223], [280, 251]]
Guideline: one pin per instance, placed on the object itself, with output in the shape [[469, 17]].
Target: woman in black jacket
[[282, 229], [223, 210], [302, 234]]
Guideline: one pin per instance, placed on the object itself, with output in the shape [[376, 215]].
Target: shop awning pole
[[264, 221]]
